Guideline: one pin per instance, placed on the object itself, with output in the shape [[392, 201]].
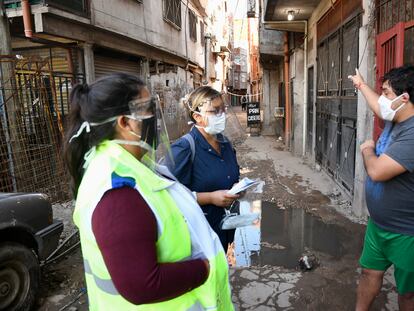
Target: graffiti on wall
[[171, 88]]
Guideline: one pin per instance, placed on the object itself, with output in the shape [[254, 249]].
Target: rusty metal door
[[322, 78], [349, 104], [337, 103], [310, 101], [334, 63]]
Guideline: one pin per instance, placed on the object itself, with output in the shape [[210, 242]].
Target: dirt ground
[[290, 184]]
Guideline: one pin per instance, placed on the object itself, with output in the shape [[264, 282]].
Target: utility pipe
[[186, 47], [305, 90], [287, 95], [207, 48], [27, 18]]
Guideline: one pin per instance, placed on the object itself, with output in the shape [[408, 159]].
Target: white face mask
[[216, 125], [387, 112]]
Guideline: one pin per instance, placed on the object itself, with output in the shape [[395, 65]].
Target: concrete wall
[[144, 22], [271, 41], [174, 114], [270, 80], [296, 63], [127, 26], [271, 48], [365, 122]]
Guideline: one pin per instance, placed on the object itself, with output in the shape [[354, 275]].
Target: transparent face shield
[[153, 135], [220, 120]]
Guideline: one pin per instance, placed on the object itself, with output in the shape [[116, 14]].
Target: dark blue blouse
[[209, 172]]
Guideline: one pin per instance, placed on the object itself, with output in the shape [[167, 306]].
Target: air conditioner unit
[[215, 48]]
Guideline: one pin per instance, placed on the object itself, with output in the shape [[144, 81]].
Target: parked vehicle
[[28, 234]]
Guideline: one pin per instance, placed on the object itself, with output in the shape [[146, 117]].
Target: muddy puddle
[[282, 236]]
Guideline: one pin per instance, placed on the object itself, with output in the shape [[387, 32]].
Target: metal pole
[[186, 45], [207, 56]]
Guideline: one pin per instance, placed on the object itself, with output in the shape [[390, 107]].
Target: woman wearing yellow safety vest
[[146, 244]]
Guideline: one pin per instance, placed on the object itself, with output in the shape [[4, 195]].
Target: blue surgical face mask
[[387, 113]]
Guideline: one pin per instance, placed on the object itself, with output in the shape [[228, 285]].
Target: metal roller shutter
[[59, 57], [106, 65]]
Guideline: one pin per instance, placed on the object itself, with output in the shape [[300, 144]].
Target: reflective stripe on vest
[[106, 286]]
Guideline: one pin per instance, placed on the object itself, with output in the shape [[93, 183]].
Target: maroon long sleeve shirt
[[126, 232]]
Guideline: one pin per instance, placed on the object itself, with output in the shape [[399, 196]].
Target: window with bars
[[172, 12], [391, 12], [192, 24]]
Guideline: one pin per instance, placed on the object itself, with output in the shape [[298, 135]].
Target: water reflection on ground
[[281, 237]]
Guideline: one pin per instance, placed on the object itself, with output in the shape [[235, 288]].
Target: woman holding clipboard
[[205, 161]]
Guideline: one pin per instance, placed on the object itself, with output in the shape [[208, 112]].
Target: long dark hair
[[103, 99]]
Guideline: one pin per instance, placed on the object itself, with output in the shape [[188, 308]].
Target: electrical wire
[[237, 4], [247, 95]]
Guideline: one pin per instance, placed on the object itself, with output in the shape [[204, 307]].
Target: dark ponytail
[[103, 99]]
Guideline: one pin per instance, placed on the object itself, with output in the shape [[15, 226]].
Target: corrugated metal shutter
[[106, 65], [59, 57]]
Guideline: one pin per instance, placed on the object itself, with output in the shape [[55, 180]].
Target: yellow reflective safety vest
[[183, 232]]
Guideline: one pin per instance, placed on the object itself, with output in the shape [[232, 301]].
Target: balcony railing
[[78, 7]]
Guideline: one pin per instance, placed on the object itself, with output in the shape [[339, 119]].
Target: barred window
[[172, 12], [192, 23]]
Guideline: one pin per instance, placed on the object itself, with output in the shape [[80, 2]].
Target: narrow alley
[[302, 213], [313, 98]]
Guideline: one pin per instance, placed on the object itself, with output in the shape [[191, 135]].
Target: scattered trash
[[336, 192], [304, 263], [318, 168], [68, 306], [287, 189], [272, 246], [308, 262]]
